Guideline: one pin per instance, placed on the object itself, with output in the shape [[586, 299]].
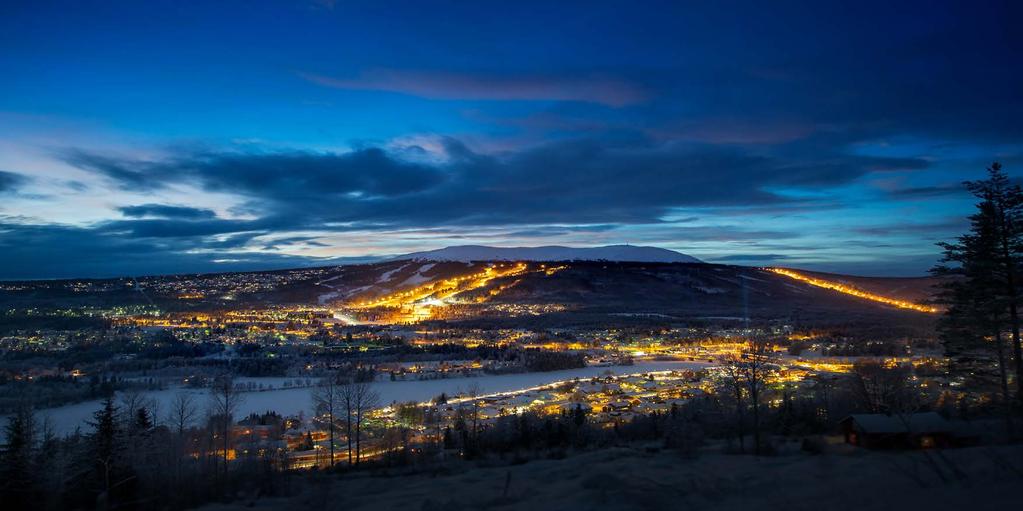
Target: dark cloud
[[58, 251], [567, 188], [710, 233], [747, 258], [61, 251], [556, 230], [927, 192], [166, 211], [288, 176], [129, 175], [571, 182], [10, 181], [946, 227], [176, 228], [293, 240], [76, 186]]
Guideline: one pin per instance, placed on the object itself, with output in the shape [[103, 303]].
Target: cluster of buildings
[[605, 399]]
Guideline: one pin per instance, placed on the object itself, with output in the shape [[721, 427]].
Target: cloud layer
[[830, 136], [575, 182]]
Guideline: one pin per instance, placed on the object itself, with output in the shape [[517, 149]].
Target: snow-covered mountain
[[629, 253]]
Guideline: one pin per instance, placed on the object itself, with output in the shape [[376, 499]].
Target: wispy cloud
[[602, 89], [928, 192]]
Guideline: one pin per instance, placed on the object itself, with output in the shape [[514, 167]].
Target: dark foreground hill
[[847, 479]]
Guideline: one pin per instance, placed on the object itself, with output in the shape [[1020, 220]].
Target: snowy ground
[[977, 479]]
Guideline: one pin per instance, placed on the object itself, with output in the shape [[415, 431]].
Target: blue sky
[[158, 137]]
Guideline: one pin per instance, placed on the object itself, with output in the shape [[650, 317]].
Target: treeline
[[15, 322], [531, 435], [51, 391], [545, 360], [744, 413], [131, 458], [99, 346]]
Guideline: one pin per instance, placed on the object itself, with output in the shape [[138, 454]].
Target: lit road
[[421, 301], [842, 288]]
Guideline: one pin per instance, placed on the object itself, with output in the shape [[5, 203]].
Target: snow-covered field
[[293, 401]]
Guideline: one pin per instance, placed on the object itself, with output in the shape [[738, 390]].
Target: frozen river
[[293, 401]]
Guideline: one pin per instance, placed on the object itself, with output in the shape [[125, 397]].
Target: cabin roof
[[926, 422]]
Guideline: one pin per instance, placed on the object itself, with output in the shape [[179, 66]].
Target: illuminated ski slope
[[842, 288]]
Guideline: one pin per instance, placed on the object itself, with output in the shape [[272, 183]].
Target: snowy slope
[[628, 253]]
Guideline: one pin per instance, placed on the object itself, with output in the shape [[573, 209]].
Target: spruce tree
[[104, 444], [980, 291], [143, 421], [19, 481], [1006, 203]]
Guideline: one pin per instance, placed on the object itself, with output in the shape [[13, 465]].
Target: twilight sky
[[163, 137]]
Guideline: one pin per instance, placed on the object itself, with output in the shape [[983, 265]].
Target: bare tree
[[881, 387], [433, 421], [364, 400], [132, 401], [474, 395], [754, 367], [347, 403], [329, 400], [181, 416], [735, 386], [1003, 381], [408, 417], [182, 412], [225, 402]]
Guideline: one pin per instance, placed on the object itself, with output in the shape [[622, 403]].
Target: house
[[616, 407], [898, 431]]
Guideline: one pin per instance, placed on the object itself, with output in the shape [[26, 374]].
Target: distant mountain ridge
[[620, 253]]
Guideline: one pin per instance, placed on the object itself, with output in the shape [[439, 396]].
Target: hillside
[[915, 289], [620, 253], [565, 293]]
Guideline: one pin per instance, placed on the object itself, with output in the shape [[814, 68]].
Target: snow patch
[[333, 294], [630, 253], [418, 277], [386, 276]]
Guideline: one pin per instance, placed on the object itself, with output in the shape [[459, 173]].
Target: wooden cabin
[[898, 431]]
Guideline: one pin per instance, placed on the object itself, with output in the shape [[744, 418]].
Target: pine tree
[[449, 439], [981, 294], [143, 421], [579, 416], [104, 447], [973, 311], [19, 481]]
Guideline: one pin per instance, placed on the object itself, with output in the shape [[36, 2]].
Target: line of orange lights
[[445, 288], [849, 290], [424, 301]]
